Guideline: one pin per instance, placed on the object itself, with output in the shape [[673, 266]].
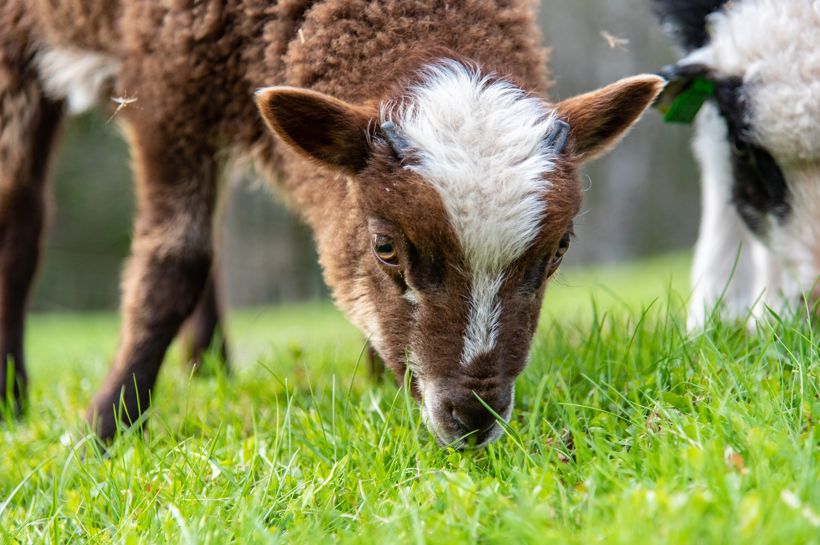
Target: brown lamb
[[415, 138]]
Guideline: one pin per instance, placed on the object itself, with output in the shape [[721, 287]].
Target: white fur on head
[[481, 142], [485, 312]]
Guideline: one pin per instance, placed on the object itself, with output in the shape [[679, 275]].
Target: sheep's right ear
[[321, 127], [598, 120]]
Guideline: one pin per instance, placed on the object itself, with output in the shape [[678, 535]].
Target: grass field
[[626, 430]]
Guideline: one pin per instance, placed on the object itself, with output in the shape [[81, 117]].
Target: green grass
[[626, 430]]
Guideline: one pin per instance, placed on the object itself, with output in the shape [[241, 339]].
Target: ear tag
[[685, 105]]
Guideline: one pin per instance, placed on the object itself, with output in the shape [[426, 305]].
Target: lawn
[[626, 430]]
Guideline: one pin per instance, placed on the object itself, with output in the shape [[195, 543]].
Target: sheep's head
[[465, 189], [758, 137]]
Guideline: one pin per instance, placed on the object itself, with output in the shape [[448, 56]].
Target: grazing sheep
[[757, 64], [414, 138]]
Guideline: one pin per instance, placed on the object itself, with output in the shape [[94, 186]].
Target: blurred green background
[[641, 200]]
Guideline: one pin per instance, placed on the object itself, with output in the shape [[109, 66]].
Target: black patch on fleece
[[686, 19], [759, 189]]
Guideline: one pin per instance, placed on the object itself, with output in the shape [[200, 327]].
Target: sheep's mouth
[[446, 423]]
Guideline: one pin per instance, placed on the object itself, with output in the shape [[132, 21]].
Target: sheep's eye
[[385, 250], [563, 246]]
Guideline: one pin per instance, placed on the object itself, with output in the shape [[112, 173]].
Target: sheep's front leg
[[205, 329], [723, 275], [166, 273], [28, 126]]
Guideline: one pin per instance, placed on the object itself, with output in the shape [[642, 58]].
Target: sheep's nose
[[462, 416], [475, 422]]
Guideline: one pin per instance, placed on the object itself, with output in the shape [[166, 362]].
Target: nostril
[[476, 421], [461, 423]]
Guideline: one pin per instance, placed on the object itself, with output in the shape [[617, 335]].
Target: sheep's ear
[[319, 126], [598, 120]]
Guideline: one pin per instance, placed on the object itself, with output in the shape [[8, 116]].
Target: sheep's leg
[[724, 273], [204, 331], [170, 261], [28, 126]]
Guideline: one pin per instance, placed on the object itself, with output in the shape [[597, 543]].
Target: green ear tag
[[687, 104]]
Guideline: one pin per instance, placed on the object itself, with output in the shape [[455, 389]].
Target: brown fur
[[595, 117], [438, 270], [193, 67], [28, 124]]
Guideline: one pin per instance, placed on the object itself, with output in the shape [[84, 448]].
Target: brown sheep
[[415, 138]]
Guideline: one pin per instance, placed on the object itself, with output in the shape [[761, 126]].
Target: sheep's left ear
[[598, 120], [321, 127]]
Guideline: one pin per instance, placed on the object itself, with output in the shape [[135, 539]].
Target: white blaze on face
[[485, 312], [481, 143]]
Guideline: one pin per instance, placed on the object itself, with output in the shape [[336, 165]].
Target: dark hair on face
[[686, 19], [759, 188]]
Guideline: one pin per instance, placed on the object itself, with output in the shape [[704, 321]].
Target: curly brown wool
[[189, 70]]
